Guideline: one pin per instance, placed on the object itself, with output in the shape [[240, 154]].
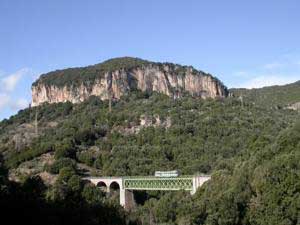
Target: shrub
[[61, 163], [64, 150]]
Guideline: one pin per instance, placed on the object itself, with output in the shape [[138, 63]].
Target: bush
[[92, 194], [75, 183], [64, 149], [61, 163], [65, 174], [86, 158]]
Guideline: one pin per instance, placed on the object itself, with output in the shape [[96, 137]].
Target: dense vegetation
[[69, 201], [260, 188], [252, 152], [273, 96]]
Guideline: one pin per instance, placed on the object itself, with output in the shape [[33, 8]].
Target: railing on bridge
[[158, 183]]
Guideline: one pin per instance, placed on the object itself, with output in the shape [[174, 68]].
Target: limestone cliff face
[[160, 78]]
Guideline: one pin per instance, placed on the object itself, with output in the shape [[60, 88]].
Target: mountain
[[116, 77], [249, 145]]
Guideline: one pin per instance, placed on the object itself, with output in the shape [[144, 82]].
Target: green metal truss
[[161, 183]]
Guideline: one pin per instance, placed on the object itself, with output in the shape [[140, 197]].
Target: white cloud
[[269, 80], [279, 72], [7, 102], [10, 82], [4, 100], [13, 92], [21, 103], [271, 66]]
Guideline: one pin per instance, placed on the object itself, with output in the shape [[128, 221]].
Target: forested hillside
[[251, 150], [272, 96]]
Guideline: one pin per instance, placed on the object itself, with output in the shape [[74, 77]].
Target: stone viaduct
[[127, 184]]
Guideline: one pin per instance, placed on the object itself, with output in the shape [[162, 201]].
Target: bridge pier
[[127, 199], [197, 182]]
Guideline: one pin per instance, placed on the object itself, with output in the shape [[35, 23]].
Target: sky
[[244, 43]]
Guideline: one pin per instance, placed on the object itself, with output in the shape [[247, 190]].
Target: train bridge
[[127, 184]]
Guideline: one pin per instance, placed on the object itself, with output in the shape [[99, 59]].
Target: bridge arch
[[114, 186], [102, 185]]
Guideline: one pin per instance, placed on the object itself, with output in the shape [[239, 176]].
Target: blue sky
[[244, 43]]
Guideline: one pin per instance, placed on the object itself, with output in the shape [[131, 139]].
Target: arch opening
[[102, 185], [114, 186]]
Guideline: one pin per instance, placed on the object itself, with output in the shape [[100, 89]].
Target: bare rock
[[152, 77]]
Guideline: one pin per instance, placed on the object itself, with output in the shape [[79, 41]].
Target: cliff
[[117, 77]]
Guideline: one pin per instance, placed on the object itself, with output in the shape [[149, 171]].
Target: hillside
[[117, 77], [250, 149], [174, 129], [272, 96]]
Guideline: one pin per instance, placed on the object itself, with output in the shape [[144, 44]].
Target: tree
[[61, 163], [92, 194], [64, 149]]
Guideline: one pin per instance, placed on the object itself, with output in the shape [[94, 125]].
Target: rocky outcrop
[[145, 121], [295, 106], [172, 80]]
